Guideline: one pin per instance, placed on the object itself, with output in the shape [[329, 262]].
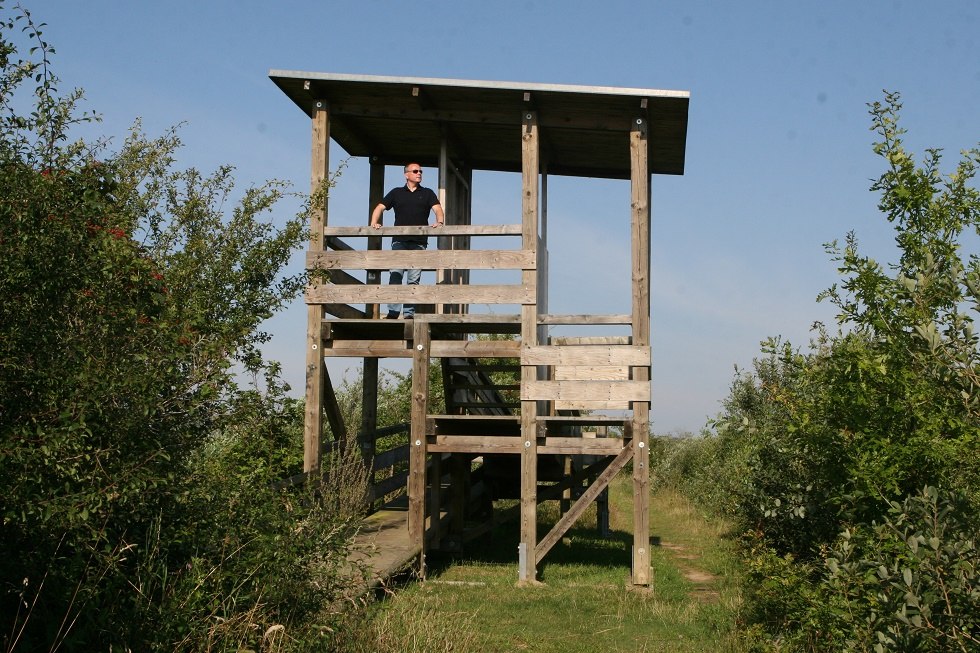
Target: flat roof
[[584, 130]]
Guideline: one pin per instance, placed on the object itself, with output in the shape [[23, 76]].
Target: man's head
[[413, 174]]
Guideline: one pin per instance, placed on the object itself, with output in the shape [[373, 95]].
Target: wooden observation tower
[[535, 449]]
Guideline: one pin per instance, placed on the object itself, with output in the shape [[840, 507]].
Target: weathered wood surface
[[383, 545], [586, 355], [586, 390], [445, 230], [466, 259], [421, 294]]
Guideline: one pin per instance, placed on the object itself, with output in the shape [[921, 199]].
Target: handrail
[[445, 230]]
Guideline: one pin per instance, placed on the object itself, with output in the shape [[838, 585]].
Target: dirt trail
[[704, 582]]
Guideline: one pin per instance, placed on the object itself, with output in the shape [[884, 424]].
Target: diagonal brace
[[570, 517]]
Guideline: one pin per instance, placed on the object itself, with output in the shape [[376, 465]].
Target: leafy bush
[[139, 497], [910, 583], [842, 438]]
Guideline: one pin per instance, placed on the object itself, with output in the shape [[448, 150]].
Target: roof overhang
[[584, 129]]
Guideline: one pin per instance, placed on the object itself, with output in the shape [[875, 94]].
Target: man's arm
[[376, 216], [440, 215]]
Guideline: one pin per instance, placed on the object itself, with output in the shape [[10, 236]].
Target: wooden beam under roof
[[581, 126]]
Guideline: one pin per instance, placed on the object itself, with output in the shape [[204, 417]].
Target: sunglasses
[[415, 172]]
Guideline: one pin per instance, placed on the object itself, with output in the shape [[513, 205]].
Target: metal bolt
[[527, 444], [642, 444], [418, 443], [639, 121], [419, 347], [315, 346]]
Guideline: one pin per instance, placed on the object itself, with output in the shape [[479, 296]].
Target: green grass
[[585, 602]]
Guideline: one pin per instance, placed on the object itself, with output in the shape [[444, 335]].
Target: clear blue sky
[[778, 157]]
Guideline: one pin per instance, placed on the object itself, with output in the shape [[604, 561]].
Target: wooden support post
[[370, 377], [315, 366], [530, 166], [640, 205], [443, 276], [375, 195], [459, 496], [417, 450]]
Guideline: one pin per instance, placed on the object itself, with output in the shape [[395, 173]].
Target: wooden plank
[[375, 195], [417, 439], [496, 259], [584, 446], [585, 320], [570, 517], [584, 420], [421, 294], [592, 373], [476, 349], [530, 171], [445, 230], [640, 227], [585, 355], [640, 231], [475, 444], [586, 390], [315, 367], [367, 348], [593, 340]]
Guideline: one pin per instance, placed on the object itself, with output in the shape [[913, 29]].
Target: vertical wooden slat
[[417, 450], [369, 385], [315, 366], [459, 472], [443, 276], [530, 167], [640, 205], [375, 195]]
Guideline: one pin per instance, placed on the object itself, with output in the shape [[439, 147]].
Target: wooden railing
[[346, 289]]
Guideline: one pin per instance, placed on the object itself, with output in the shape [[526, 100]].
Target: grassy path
[[584, 604]]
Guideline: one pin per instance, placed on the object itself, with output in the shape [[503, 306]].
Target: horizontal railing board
[[464, 259], [474, 349], [445, 230], [582, 446], [367, 348], [437, 294], [586, 391], [584, 319], [474, 444], [600, 355]]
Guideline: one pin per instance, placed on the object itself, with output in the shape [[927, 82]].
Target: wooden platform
[[383, 544]]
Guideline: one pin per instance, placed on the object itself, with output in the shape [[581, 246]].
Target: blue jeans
[[413, 276]]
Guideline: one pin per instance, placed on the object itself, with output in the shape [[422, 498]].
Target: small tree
[[843, 438], [139, 510]]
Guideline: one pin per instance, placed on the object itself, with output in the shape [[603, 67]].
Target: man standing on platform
[[412, 203]]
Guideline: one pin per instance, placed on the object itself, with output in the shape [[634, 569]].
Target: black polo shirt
[[411, 208]]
